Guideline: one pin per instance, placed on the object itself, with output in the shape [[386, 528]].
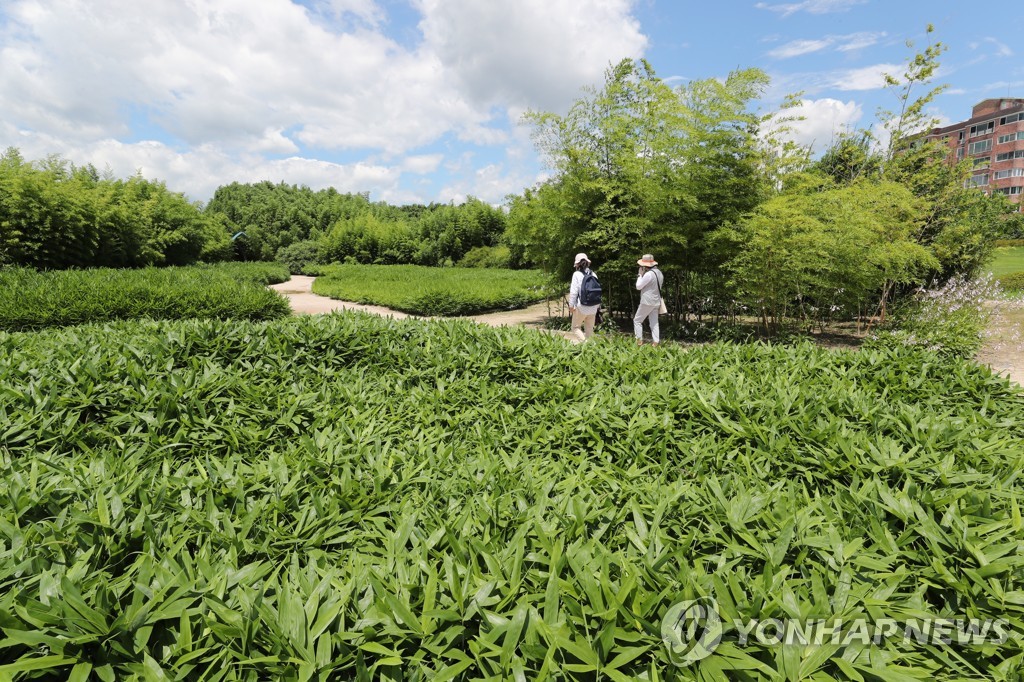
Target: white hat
[[580, 257], [647, 261]]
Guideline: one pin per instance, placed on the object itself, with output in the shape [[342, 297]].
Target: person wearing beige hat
[[649, 281], [584, 312]]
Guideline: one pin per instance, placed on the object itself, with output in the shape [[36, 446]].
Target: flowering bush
[[952, 320]]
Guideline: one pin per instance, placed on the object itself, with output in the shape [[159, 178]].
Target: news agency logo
[[692, 630]]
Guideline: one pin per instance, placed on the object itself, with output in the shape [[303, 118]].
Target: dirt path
[[1004, 349], [299, 292]]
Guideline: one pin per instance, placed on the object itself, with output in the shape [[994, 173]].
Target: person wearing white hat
[[649, 281], [583, 316]]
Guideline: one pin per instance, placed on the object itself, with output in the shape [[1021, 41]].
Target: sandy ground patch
[[1004, 349]]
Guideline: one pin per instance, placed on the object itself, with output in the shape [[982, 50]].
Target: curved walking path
[[1004, 348], [299, 292], [1002, 352]]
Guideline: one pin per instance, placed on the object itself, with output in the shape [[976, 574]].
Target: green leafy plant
[[351, 497], [1013, 281], [951, 319], [35, 300], [433, 291]]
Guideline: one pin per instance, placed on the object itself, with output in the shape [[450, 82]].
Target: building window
[[1011, 173], [961, 137], [1006, 156], [1009, 191], [982, 161], [978, 180], [979, 147], [1013, 118], [1003, 139], [983, 128], [959, 153]]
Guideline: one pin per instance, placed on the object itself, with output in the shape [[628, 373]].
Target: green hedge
[[1012, 282], [432, 291], [35, 300]]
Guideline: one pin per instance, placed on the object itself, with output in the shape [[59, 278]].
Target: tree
[[640, 167], [54, 215], [826, 248]]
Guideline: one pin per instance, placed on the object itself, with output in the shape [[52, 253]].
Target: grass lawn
[[432, 291], [1007, 259]]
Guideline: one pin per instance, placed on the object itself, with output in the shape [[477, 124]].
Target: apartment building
[[993, 138]]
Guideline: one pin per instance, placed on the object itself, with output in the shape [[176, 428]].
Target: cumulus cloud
[[533, 53], [811, 6], [491, 183], [823, 121], [224, 84], [422, 163], [224, 72]]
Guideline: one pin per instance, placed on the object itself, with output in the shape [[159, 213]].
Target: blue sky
[[419, 100]]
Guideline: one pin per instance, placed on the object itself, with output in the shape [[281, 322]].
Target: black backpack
[[590, 289]]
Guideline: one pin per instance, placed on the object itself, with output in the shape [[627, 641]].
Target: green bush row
[[1012, 282], [432, 291], [350, 497], [35, 300]]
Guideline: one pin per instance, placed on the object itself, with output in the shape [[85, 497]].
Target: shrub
[[1012, 282], [950, 320], [300, 256], [31, 300], [486, 257]]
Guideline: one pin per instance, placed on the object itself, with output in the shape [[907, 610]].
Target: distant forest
[[55, 215]]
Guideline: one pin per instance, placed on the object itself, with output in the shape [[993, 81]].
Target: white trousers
[[585, 321], [650, 312]]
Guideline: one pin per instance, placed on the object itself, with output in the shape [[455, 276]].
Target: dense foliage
[[741, 222], [351, 497], [303, 227], [54, 215], [428, 291], [1013, 281], [33, 300], [640, 167]]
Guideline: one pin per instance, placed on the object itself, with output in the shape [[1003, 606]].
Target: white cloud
[[859, 41], [197, 172], [864, 78], [422, 164], [223, 71], [796, 48], [216, 85], [533, 53], [491, 183], [842, 43], [811, 6], [1001, 49], [824, 120]]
